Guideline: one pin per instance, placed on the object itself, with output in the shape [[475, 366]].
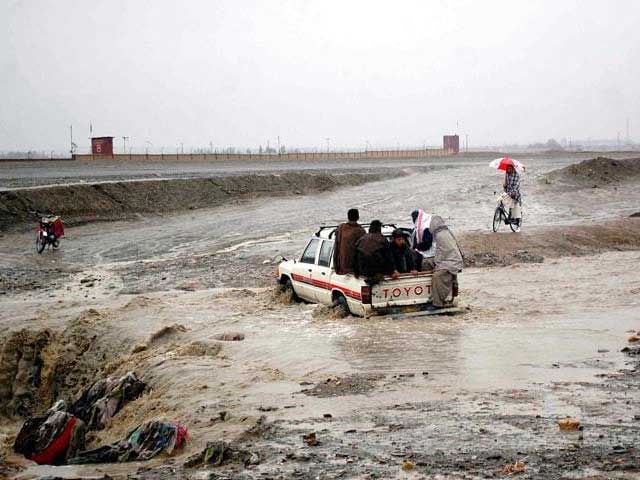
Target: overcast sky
[[243, 72]]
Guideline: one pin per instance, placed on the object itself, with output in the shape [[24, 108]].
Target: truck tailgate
[[406, 290]]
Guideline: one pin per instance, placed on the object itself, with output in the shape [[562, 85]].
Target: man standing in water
[[344, 249], [448, 260], [512, 189]]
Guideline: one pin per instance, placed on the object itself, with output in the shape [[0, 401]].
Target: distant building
[[102, 146], [452, 142]]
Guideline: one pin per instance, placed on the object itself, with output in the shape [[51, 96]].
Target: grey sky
[[243, 72]]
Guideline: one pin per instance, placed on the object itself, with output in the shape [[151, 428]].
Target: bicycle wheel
[[497, 217], [40, 243], [516, 228]]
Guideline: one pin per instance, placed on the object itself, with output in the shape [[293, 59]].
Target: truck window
[[309, 255], [324, 260]]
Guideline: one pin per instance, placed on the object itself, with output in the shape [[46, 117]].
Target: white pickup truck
[[313, 279]]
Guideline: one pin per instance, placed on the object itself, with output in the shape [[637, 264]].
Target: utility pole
[[278, 144], [466, 142], [124, 144], [328, 140], [71, 139]]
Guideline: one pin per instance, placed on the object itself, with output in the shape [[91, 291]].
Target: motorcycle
[[48, 233]]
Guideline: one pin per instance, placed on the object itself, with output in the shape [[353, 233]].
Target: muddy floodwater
[[464, 396]]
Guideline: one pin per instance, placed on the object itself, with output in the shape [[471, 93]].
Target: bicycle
[[503, 214]]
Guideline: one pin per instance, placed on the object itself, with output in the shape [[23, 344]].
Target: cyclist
[[513, 199]]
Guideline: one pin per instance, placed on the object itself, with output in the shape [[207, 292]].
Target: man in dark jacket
[[373, 255], [344, 249], [403, 259]]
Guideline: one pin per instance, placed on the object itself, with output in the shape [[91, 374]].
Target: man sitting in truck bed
[[403, 257], [373, 255], [346, 236]]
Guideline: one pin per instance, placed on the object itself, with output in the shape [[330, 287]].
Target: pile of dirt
[[40, 366], [484, 249], [119, 200], [600, 171]]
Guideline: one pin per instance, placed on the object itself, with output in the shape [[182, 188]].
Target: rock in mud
[[230, 337], [310, 439], [339, 386], [569, 424], [222, 453]]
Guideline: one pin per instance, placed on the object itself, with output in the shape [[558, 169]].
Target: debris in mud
[[310, 439], [52, 438], [633, 339], [408, 465], [513, 468], [230, 337], [267, 409], [100, 402], [569, 424], [339, 386], [222, 453], [143, 443]]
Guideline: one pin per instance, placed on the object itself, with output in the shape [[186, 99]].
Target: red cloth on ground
[[57, 450]]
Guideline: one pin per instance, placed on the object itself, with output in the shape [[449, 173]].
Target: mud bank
[[597, 172], [486, 248], [79, 203]]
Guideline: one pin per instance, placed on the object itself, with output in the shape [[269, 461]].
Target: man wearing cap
[[344, 249]]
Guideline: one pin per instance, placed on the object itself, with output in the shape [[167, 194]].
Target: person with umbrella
[[511, 198]]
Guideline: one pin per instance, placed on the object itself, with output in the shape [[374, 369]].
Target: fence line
[[301, 156]]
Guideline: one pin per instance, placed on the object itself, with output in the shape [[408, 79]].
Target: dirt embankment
[[119, 200], [597, 172], [487, 249]]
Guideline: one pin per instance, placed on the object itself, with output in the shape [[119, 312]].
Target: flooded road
[[464, 394]]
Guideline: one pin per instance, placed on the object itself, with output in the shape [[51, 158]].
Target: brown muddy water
[[458, 397]]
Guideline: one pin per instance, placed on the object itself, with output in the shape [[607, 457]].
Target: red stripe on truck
[[326, 286]]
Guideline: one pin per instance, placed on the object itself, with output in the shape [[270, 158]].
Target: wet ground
[[449, 397]]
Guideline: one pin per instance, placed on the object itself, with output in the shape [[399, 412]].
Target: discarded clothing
[[105, 398], [52, 438], [221, 453], [144, 442]]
